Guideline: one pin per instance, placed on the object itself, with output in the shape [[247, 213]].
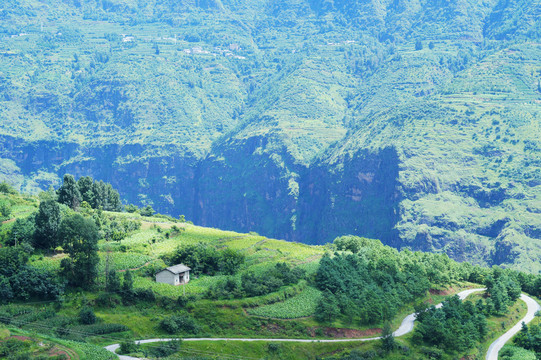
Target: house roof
[[177, 269]]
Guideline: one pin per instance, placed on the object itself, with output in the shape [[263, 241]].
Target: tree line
[[70, 218], [367, 282]]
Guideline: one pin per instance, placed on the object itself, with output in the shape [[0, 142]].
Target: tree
[[13, 258], [6, 188], [113, 281], [22, 231], [30, 282], [131, 208], [79, 237], [147, 211], [47, 222], [387, 339], [230, 261], [69, 193], [87, 316], [127, 284], [327, 308], [85, 185], [5, 209], [5, 289]]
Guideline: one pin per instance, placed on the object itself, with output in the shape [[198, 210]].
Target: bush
[[131, 208], [147, 211], [108, 300], [127, 347], [179, 323], [206, 259], [87, 316], [164, 349], [6, 188]]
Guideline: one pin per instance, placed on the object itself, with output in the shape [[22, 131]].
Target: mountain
[[414, 122]]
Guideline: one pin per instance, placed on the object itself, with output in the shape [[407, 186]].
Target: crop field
[[46, 263], [195, 286], [123, 261], [301, 305]]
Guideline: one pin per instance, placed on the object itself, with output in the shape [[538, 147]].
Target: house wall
[[186, 277], [167, 277]]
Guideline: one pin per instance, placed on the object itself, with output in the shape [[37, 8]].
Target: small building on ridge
[[174, 275]]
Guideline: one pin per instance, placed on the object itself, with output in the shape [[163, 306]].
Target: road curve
[[405, 327], [496, 346]]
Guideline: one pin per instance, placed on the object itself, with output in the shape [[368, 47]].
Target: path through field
[[405, 327]]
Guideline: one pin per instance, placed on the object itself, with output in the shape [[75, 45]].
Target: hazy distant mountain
[[415, 122]]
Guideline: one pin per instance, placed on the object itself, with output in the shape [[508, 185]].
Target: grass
[[269, 350]]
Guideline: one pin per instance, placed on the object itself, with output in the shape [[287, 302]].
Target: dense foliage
[[411, 122], [371, 285], [206, 259], [18, 280], [179, 323], [251, 284], [456, 326], [529, 338]]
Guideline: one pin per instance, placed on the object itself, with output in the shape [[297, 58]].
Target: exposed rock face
[[242, 186]]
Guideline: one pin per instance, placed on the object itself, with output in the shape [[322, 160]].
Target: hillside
[[416, 123], [101, 290]]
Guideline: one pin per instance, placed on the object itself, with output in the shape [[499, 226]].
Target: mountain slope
[[415, 122]]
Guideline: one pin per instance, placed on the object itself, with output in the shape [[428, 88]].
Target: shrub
[[179, 323], [108, 300], [127, 347], [147, 211], [131, 208], [165, 349], [87, 316]]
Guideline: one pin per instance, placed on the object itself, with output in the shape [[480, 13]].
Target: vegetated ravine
[[414, 123]]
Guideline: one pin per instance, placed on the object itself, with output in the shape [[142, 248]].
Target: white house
[[174, 275]]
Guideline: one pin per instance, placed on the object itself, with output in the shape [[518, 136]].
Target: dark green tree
[[5, 209], [13, 259], [86, 188], [327, 308], [113, 281], [22, 231], [127, 284], [6, 293], [87, 316], [147, 211], [69, 193], [79, 237], [387, 339], [6, 188], [47, 225]]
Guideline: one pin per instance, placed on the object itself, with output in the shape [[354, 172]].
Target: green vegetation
[[305, 120], [456, 326], [245, 285], [529, 338], [20, 344], [301, 305]]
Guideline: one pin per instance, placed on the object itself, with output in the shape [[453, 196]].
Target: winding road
[[495, 347], [405, 327]]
